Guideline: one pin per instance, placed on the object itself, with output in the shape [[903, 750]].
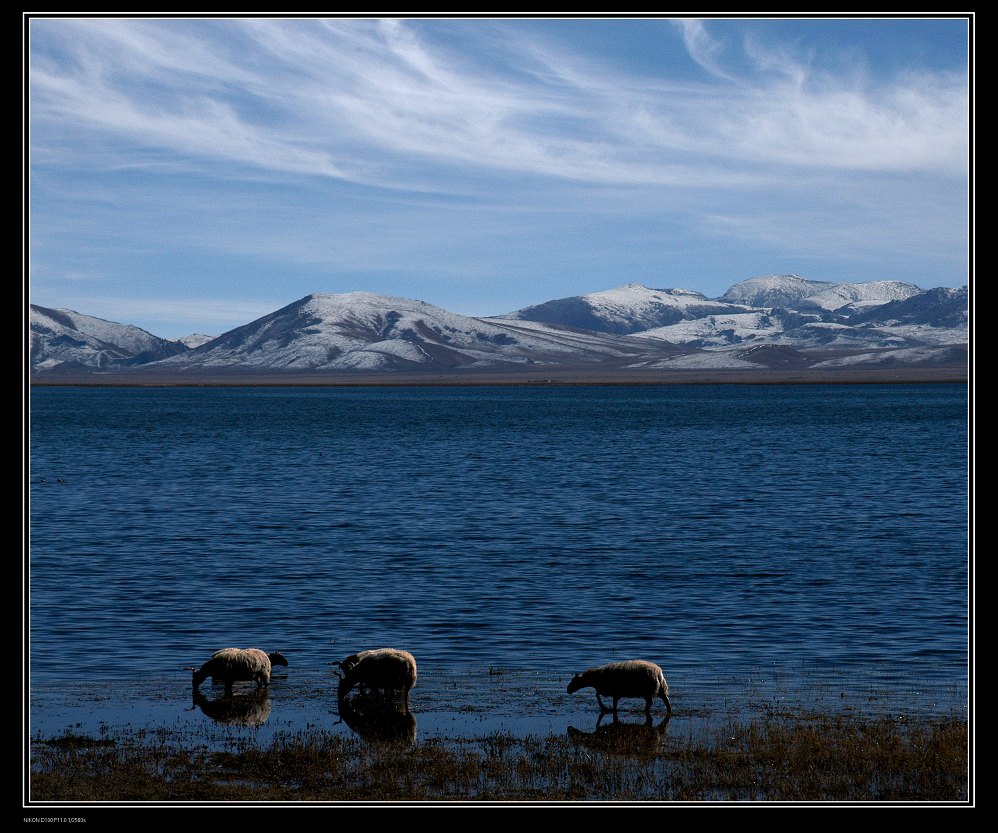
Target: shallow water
[[802, 535], [471, 703]]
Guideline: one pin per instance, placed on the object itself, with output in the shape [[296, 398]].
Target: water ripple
[[692, 526]]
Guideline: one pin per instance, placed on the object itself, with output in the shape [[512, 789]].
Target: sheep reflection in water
[[377, 719], [236, 709], [634, 740]]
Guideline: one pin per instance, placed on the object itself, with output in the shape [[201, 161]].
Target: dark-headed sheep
[[234, 664], [381, 668], [631, 678]]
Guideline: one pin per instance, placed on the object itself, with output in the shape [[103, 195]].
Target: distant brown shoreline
[[564, 377]]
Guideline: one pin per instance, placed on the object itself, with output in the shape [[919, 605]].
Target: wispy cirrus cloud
[[703, 48], [384, 103]]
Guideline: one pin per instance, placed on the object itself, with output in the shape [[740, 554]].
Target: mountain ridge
[[66, 337], [366, 331]]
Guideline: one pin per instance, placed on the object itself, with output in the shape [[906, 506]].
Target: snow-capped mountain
[[630, 308], [880, 314], [367, 331], [62, 338], [774, 291], [831, 325], [941, 307], [799, 293], [935, 317]]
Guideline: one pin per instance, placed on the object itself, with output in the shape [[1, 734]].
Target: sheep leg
[[616, 699], [602, 707], [648, 706]]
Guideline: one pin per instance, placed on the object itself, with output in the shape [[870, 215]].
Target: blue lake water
[[715, 530]]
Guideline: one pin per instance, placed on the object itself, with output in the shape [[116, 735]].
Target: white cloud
[[377, 102], [703, 49]]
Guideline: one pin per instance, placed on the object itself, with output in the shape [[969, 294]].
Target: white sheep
[[232, 664], [381, 668], [631, 678]]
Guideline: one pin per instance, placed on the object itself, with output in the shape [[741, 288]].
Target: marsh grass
[[784, 758]]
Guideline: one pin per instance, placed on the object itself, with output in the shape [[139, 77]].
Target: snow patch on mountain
[[927, 335], [637, 296], [194, 340], [908, 356], [835, 334], [862, 295], [719, 330]]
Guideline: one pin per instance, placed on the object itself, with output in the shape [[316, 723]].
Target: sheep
[[386, 668], [631, 678], [232, 664]]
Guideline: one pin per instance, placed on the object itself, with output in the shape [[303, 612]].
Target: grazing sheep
[[382, 668], [232, 664], [631, 678]]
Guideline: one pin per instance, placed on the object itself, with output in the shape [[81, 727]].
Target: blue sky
[[190, 175]]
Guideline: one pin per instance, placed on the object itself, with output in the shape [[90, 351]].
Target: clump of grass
[[832, 758], [71, 741], [806, 758]]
